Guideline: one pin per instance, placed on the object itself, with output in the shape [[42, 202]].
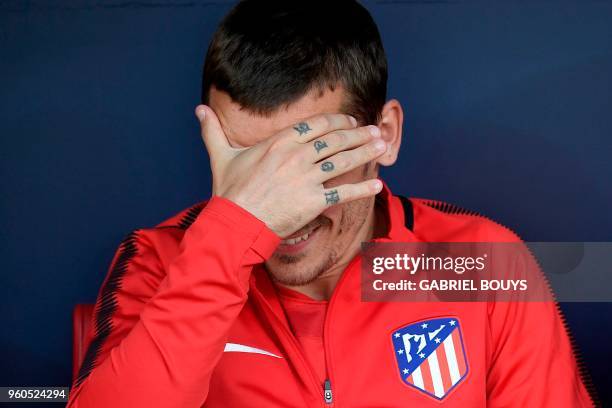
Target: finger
[[212, 133], [348, 160], [318, 125], [350, 192], [334, 142]]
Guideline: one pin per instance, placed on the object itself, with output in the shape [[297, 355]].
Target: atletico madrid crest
[[430, 355]]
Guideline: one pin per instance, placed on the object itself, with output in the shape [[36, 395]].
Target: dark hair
[[266, 54]]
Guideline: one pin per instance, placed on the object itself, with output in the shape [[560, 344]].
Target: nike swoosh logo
[[241, 348]]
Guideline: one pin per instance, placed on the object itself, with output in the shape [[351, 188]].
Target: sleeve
[[532, 362], [157, 344]]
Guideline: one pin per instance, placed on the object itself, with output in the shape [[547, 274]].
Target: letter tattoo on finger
[[327, 166], [302, 128], [332, 197], [319, 145]]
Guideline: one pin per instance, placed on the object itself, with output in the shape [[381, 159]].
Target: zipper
[[327, 392], [327, 386], [297, 350]]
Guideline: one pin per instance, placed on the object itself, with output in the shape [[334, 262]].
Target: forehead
[[244, 128]]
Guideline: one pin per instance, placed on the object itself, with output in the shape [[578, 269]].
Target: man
[[252, 299]]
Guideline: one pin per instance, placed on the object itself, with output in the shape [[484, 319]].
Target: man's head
[[271, 64], [266, 54]]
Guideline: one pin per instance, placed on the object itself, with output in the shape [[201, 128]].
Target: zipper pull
[[327, 392]]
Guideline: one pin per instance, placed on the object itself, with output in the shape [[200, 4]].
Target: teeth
[[293, 241]]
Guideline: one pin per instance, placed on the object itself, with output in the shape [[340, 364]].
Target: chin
[[294, 270], [300, 269]]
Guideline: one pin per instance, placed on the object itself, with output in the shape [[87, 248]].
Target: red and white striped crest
[[431, 355]]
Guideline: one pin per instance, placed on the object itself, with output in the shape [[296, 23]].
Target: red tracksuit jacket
[[178, 298]]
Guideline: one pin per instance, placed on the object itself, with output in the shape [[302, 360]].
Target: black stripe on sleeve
[[107, 305]]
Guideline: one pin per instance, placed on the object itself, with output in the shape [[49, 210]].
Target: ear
[[390, 125]]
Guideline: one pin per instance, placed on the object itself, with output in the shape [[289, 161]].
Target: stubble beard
[[297, 270]]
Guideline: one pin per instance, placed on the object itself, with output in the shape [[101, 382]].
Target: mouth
[[296, 243]]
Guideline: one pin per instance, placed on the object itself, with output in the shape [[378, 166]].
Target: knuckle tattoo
[[302, 128], [327, 166], [319, 145], [332, 197]]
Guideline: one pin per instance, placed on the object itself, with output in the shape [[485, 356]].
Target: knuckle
[[349, 193], [341, 139], [343, 162], [312, 176], [311, 200], [318, 199], [363, 189], [276, 145], [326, 121], [371, 151], [294, 159], [365, 132]]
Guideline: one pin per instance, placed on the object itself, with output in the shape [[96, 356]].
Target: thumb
[[212, 134]]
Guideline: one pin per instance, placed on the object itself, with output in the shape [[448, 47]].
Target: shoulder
[[162, 240], [434, 220]]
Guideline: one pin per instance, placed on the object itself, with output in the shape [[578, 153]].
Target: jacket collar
[[399, 216]]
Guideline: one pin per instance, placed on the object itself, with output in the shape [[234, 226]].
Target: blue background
[[507, 112]]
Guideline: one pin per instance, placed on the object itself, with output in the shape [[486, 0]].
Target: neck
[[323, 287]]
